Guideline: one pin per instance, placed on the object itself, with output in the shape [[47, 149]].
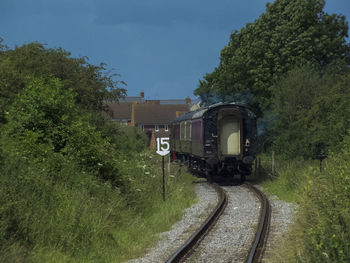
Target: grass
[[88, 220], [287, 179], [158, 216], [320, 232]]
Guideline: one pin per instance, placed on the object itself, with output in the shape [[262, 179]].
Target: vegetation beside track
[[321, 230], [74, 187]]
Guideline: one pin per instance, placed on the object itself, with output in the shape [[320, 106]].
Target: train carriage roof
[[200, 112]]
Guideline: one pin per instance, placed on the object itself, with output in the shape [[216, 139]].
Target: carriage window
[[188, 130], [182, 130]]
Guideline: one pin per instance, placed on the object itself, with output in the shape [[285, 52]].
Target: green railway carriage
[[216, 140]]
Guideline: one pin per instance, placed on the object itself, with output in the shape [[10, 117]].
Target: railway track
[[258, 245]]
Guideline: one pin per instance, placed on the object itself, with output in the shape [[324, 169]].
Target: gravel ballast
[[231, 237], [194, 216], [282, 216]]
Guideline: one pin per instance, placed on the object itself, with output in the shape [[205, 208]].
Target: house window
[[166, 128], [156, 127], [142, 127]]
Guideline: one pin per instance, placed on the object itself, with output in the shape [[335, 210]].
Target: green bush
[[321, 232], [325, 216], [51, 204], [76, 189], [44, 118], [311, 110]]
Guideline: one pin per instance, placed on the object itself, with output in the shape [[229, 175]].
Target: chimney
[[188, 100], [133, 105], [142, 94]]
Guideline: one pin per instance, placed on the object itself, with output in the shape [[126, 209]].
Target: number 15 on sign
[[161, 149]]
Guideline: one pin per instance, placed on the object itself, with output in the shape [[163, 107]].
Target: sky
[[160, 47]]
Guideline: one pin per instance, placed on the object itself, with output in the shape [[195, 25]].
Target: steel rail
[[210, 221], [258, 246]]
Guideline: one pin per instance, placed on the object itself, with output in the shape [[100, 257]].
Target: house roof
[[145, 113], [132, 99], [173, 101], [120, 110]]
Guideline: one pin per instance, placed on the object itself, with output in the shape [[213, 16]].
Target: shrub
[[325, 214]]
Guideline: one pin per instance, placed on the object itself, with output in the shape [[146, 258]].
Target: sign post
[[161, 150]]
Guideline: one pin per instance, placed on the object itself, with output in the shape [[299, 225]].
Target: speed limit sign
[[163, 149], [163, 146]]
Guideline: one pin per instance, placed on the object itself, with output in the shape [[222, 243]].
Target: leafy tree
[[45, 120], [92, 84], [288, 34], [311, 110]]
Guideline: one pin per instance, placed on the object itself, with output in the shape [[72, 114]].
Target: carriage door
[[230, 133]]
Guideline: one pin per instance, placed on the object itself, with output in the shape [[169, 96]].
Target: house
[[151, 116], [154, 118]]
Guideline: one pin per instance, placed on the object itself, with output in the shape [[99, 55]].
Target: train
[[216, 141]]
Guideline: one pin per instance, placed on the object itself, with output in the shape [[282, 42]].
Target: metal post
[[163, 178], [169, 165]]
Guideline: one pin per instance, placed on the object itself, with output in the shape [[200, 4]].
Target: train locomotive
[[219, 140]]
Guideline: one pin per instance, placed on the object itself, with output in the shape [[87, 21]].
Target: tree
[[288, 34], [311, 110], [44, 122], [92, 84]]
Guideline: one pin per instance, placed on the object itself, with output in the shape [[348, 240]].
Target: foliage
[[92, 84], [53, 162], [321, 231], [287, 35], [72, 184], [151, 214], [289, 177], [44, 118], [311, 111], [128, 140], [326, 214], [53, 205], [70, 189]]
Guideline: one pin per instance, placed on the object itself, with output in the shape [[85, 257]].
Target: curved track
[[198, 235], [258, 245]]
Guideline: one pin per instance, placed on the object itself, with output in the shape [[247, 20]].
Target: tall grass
[[321, 232], [149, 213], [286, 178], [75, 217], [74, 188]]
